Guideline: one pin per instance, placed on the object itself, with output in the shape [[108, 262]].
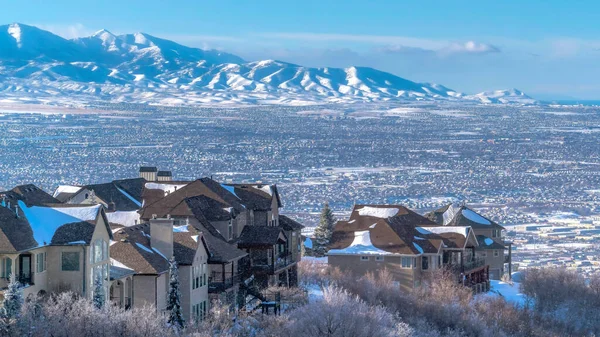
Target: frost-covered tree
[[323, 231], [174, 298], [99, 293], [11, 305]]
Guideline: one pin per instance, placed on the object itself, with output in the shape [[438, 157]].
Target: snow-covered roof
[[167, 188], [66, 189], [378, 212], [361, 245], [469, 214], [45, 220], [125, 218], [464, 231]]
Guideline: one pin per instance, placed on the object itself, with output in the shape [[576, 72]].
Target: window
[[195, 277], [439, 261], [70, 261], [40, 259], [424, 262], [97, 251], [406, 262], [364, 258], [378, 258], [496, 253], [230, 230], [414, 262], [6, 267], [104, 250]]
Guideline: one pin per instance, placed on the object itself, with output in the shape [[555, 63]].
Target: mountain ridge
[[140, 67]]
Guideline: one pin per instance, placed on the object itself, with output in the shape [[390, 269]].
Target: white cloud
[[471, 47], [68, 31], [372, 39]]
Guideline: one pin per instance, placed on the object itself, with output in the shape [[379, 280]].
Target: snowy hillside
[[502, 96], [38, 65]]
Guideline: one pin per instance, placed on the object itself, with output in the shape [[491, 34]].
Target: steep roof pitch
[[52, 224], [256, 196], [111, 194], [75, 232], [174, 202], [289, 224], [186, 243], [391, 229], [488, 243], [253, 236], [132, 249], [220, 250], [30, 194], [15, 233], [455, 215]]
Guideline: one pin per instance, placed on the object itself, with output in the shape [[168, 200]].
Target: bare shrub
[[341, 314]]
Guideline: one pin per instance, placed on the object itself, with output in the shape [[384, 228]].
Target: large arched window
[[99, 251]]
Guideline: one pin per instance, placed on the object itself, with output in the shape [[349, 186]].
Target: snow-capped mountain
[[502, 96], [145, 69]]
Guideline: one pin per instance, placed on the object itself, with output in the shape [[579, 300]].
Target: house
[[121, 199], [140, 258], [492, 247], [53, 247], [231, 214], [408, 245]]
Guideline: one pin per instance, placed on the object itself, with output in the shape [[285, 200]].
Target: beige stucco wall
[[189, 296], [144, 290], [352, 263], [496, 263]]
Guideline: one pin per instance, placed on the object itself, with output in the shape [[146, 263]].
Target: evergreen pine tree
[[323, 231], [99, 293], [11, 306], [174, 298]]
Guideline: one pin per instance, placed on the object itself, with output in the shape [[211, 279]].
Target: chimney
[[164, 176], [161, 236], [148, 172]]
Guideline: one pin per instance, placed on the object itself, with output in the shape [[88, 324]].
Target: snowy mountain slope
[[146, 69], [502, 96]]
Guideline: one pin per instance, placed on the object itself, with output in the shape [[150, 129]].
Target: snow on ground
[[315, 293], [469, 214], [323, 260], [378, 212], [511, 293]]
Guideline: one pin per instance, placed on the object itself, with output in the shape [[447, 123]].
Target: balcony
[[283, 260], [217, 282], [264, 264], [466, 266]]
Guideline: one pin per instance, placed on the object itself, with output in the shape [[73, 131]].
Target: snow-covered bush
[[342, 314]]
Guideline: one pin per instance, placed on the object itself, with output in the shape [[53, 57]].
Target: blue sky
[[549, 49]]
